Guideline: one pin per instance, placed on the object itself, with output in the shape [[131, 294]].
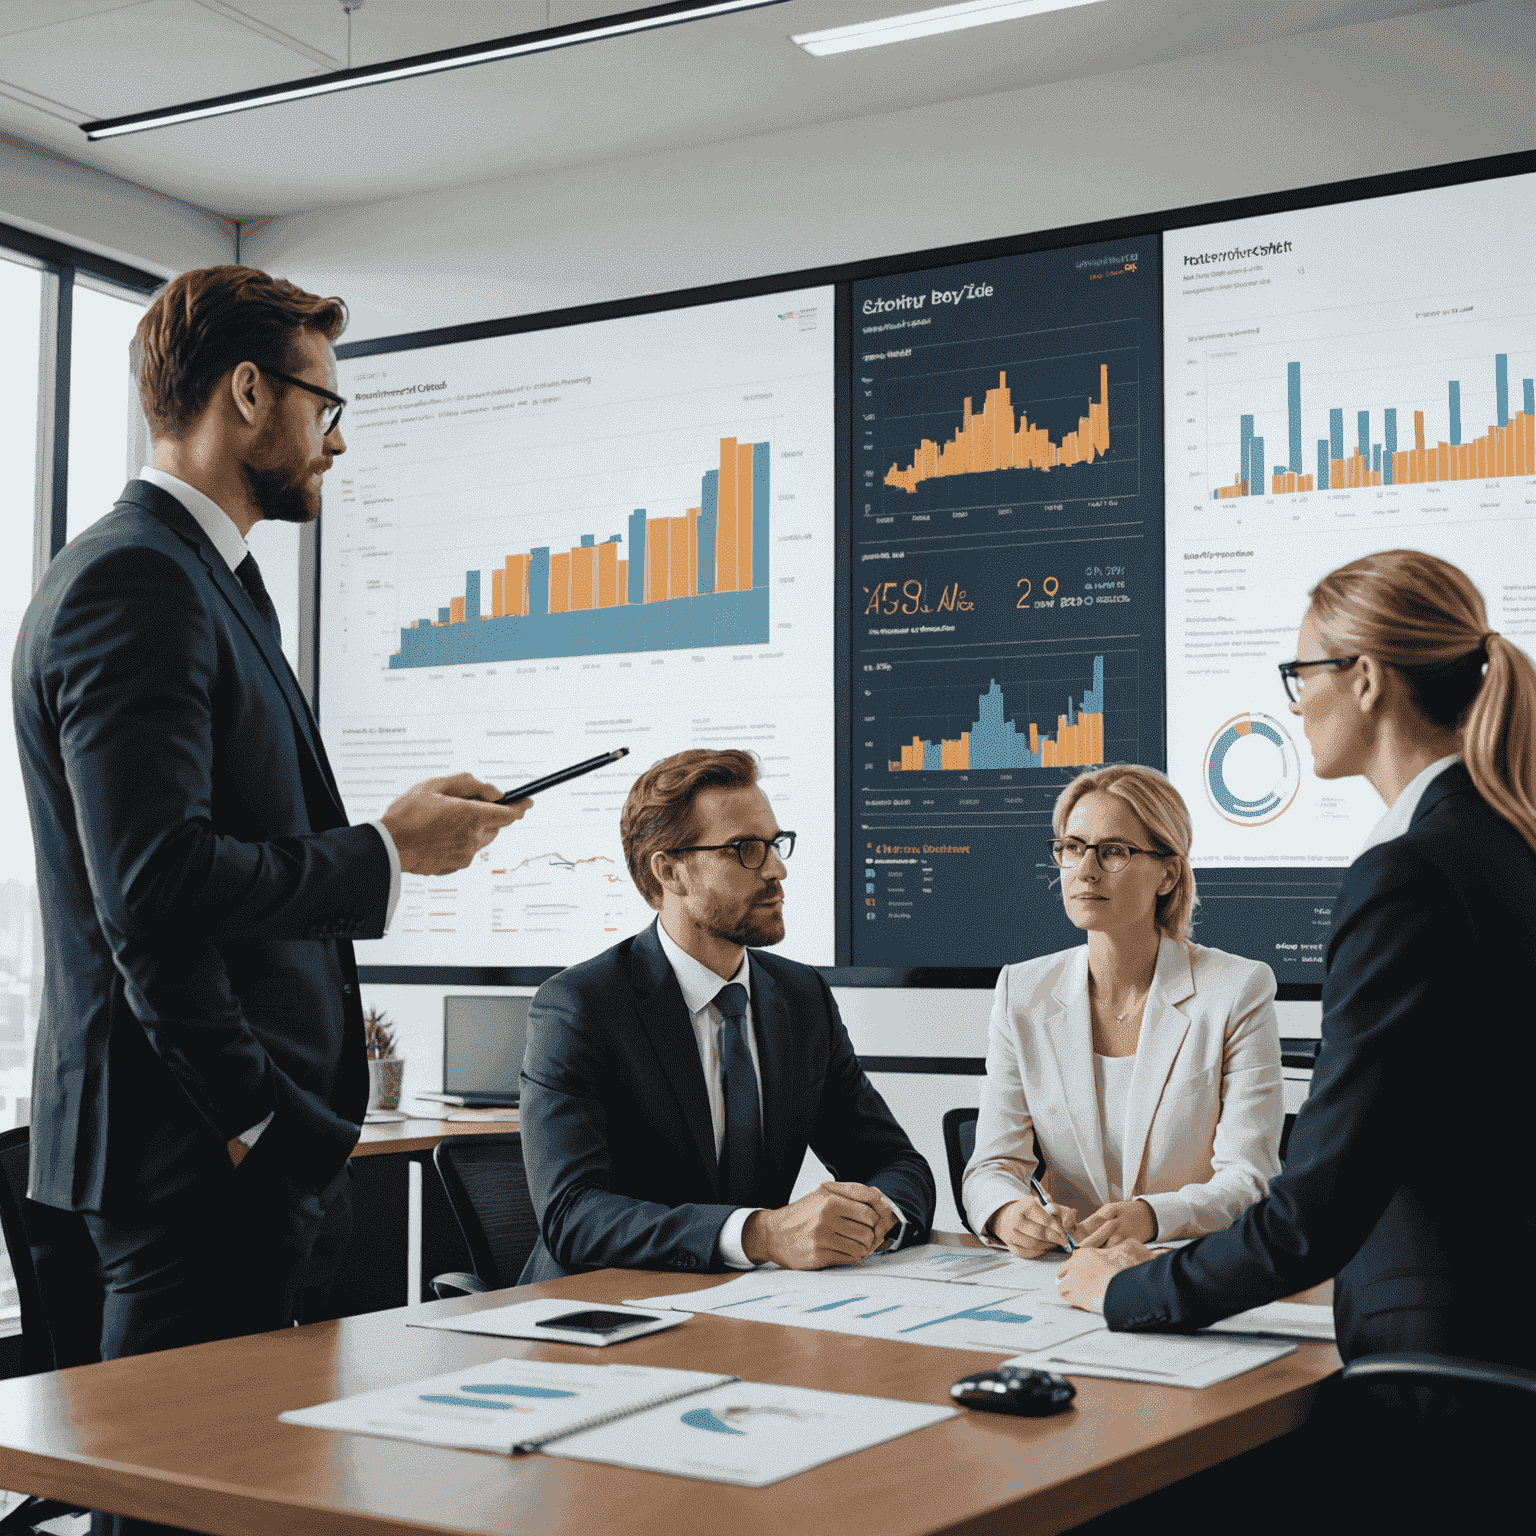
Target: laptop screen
[[483, 1041]]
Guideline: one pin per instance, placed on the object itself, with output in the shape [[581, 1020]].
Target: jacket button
[[347, 988]]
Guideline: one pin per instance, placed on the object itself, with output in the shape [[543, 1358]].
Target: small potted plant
[[386, 1071]]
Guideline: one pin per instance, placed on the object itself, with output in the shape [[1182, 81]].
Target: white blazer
[[1205, 1109]]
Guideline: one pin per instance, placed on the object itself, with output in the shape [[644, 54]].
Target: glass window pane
[[100, 395], [21, 949]]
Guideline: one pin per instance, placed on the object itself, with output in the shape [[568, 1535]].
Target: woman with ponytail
[[1407, 1167]]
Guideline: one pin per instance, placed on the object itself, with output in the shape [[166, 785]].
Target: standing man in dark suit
[[199, 1077], [672, 1085]]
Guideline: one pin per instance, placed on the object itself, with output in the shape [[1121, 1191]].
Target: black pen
[[1035, 1185]]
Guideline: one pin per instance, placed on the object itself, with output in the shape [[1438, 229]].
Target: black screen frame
[[842, 276]]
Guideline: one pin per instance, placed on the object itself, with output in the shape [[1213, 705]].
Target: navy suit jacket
[[1406, 1172], [196, 873], [616, 1128]]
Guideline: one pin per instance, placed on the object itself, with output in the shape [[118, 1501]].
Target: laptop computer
[[483, 1043]]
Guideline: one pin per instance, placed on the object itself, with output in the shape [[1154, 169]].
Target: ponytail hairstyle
[[1423, 617], [1160, 808]]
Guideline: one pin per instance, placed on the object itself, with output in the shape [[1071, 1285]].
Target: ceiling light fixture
[[595, 30], [915, 24]]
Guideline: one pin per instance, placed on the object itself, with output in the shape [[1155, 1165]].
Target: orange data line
[[996, 439]]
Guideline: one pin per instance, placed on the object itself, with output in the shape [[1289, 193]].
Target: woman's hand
[[1082, 1281], [1028, 1229], [1122, 1221]]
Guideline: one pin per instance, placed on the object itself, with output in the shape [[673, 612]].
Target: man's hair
[[659, 811], [204, 323]]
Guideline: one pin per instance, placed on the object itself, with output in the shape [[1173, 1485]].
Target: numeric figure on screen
[[1141, 1068], [200, 1075], [672, 1084]]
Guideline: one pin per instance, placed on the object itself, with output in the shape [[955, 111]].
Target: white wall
[[1423, 90]]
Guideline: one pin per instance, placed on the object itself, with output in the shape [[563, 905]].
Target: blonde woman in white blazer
[[1144, 1067]]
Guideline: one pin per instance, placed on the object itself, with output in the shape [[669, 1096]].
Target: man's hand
[[834, 1224], [1123, 1221], [441, 824], [238, 1151], [1028, 1229], [1084, 1278]]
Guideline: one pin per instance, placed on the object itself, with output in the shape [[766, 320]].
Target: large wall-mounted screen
[[547, 544], [1006, 601], [1340, 380]]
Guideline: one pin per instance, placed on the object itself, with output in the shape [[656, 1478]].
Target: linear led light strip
[[425, 64], [915, 24]]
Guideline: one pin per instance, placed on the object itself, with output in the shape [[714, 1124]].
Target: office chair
[[487, 1186], [60, 1289], [959, 1143]]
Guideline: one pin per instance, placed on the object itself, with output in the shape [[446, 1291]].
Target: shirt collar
[[205, 512], [1400, 815], [699, 984]]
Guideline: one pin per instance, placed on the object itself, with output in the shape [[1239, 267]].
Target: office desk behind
[[191, 1437]]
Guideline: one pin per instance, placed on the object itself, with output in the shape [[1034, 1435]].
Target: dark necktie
[[743, 1124], [250, 578]]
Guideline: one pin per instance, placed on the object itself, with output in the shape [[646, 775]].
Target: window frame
[[60, 265]]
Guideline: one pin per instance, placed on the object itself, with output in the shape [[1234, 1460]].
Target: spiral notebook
[[506, 1405]]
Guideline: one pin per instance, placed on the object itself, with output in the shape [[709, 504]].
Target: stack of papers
[[1288, 1319], [874, 1305], [1165, 1360]]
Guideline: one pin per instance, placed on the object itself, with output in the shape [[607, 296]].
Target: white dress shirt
[[1400, 812], [1112, 1088], [230, 543], [700, 986]]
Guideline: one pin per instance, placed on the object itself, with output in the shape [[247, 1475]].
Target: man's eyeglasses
[[338, 402], [1112, 857], [752, 851], [1290, 672]]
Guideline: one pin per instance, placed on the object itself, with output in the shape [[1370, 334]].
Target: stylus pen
[[1035, 1185]]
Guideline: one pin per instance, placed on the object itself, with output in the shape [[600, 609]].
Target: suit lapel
[[1163, 1028], [664, 1015], [171, 512], [775, 1057], [1070, 1033]]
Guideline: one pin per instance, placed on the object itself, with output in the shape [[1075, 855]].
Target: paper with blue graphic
[[750, 1433], [504, 1405], [877, 1306]]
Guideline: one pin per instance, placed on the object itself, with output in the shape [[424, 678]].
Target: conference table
[[190, 1437]]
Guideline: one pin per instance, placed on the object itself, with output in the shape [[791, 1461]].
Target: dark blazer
[[617, 1135], [1405, 1176], [197, 876]]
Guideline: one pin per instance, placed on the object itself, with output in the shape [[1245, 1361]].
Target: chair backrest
[[959, 1143], [487, 1186], [58, 1278]]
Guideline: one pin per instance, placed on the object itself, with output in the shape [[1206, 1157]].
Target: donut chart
[[1270, 773]]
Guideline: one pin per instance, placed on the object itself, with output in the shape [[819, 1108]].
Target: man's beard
[[755, 927], [282, 495]]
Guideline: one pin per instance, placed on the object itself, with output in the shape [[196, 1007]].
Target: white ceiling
[[64, 62]]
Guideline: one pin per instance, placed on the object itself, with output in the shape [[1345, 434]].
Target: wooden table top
[[422, 1133], [191, 1436]]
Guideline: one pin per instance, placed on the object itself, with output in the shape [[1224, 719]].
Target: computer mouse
[[1015, 1389]]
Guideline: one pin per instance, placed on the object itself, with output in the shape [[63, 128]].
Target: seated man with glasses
[[672, 1085], [1142, 1068]]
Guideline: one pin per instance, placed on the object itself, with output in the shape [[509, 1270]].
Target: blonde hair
[[1161, 810], [1423, 617]]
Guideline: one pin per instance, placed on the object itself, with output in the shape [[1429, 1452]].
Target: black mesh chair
[[60, 1290], [959, 1144], [487, 1186]]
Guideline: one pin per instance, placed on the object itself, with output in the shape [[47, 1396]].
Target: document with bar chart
[[1007, 575], [544, 545], [1340, 380]]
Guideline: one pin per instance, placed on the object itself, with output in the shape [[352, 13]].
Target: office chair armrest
[[457, 1283], [1428, 1368]]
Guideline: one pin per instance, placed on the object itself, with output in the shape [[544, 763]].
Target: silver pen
[[1035, 1185]]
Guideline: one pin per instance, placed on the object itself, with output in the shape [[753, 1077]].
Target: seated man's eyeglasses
[[1290, 672], [752, 851], [1112, 857], [338, 402]]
